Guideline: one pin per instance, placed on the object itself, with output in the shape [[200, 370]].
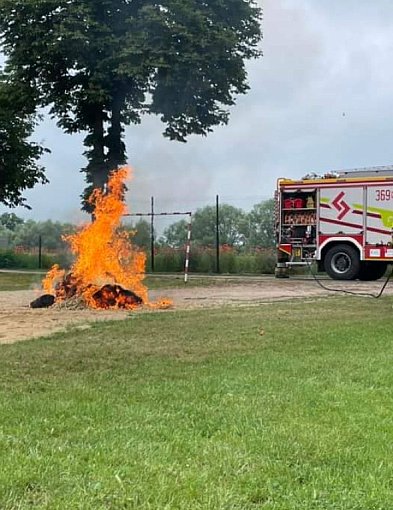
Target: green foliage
[[140, 233], [203, 260], [167, 260], [265, 261], [10, 221], [11, 260], [228, 261], [261, 224], [28, 234], [101, 65], [5, 237], [231, 225], [175, 235], [19, 156], [23, 243], [236, 228]]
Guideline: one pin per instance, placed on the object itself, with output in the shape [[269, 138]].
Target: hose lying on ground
[[352, 293]]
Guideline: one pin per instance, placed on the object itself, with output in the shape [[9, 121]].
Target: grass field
[[253, 408], [20, 281], [24, 280]]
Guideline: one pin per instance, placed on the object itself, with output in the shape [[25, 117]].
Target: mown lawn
[[24, 280], [284, 406], [20, 280]]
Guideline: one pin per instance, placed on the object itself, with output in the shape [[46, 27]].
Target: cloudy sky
[[321, 99]]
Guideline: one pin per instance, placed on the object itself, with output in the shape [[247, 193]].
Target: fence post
[[188, 248], [152, 236], [39, 252], [217, 235]]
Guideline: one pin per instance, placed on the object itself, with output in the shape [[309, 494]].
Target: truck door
[[379, 213], [341, 211]]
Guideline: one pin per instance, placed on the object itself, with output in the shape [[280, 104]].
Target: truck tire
[[370, 271], [342, 262]]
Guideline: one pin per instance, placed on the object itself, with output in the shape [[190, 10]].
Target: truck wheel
[[370, 271], [342, 262]]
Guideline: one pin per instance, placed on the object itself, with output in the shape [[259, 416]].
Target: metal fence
[[207, 251]]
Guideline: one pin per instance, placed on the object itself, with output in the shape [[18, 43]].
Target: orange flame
[[52, 278], [104, 255]]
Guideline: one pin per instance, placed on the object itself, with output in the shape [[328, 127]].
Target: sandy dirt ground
[[20, 322]]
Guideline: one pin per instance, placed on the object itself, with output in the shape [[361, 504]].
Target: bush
[[228, 260], [168, 260], [203, 260], [245, 263], [265, 261], [11, 260]]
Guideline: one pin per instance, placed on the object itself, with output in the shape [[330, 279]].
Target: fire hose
[[352, 293]]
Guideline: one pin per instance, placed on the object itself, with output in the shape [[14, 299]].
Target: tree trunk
[[97, 169], [116, 148]]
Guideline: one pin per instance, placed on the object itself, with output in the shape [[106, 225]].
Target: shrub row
[[11, 260], [166, 260], [204, 261]]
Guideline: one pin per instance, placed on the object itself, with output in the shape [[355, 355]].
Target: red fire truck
[[343, 221]]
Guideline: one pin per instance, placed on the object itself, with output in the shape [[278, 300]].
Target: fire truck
[[341, 221]]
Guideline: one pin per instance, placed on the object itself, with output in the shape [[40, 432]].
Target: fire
[[108, 271]]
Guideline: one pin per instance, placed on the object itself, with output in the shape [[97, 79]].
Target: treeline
[[16, 232], [246, 240], [237, 228]]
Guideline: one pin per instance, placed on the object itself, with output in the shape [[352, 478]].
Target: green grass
[[266, 407], [20, 280], [24, 280]]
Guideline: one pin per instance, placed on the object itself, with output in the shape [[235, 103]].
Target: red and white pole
[[188, 248]]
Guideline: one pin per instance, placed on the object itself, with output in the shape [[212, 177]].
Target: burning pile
[[108, 271]]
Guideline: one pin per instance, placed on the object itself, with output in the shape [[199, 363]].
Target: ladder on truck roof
[[371, 171]]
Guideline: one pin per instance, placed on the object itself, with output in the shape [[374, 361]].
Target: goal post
[[188, 238]]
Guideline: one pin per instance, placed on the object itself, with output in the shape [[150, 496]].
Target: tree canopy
[[99, 66], [51, 233], [18, 232], [236, 227], [261, 224], [140, 233], [10, 221], [19, 156]]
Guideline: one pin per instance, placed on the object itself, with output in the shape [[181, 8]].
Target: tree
[[10, 221], [261, 225], [19, 169], [232, 227], [5, 236], [176, 234], [51, 233], [99, 66], [141, 233]]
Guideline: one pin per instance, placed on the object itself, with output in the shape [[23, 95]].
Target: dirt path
[[19, 322]]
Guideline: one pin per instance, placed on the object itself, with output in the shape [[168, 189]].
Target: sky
[[321, 99]]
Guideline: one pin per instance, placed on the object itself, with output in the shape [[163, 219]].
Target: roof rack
[[371, 171]]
